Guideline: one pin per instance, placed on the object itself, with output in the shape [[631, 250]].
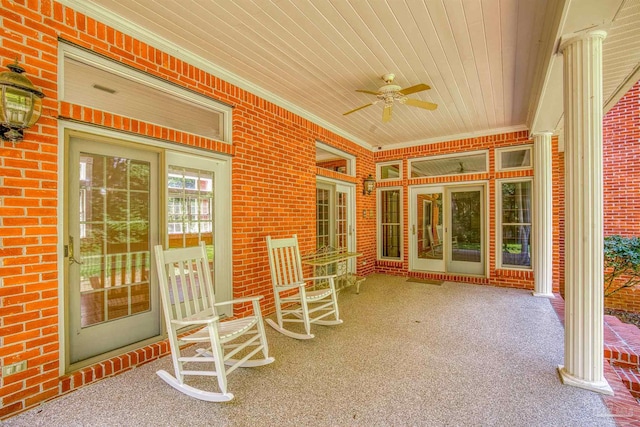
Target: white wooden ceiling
[[481, 57]]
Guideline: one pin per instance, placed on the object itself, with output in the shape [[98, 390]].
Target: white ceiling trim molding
[[543, 81], [435, 140], [116, 22]]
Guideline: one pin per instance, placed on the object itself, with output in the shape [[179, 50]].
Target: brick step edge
[[623, 357], [621, 343], [630, 378]]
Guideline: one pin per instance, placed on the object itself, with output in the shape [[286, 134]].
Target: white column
[[584, 294], [542, 216]]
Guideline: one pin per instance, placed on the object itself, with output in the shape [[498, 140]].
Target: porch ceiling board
[[481, 59]]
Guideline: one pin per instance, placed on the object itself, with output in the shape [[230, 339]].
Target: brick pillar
[[584, 296]]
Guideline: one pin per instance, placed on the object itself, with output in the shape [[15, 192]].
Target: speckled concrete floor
[[407, 354]]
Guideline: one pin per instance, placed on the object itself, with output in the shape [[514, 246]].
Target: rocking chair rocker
[[294, 302], [188, 301]]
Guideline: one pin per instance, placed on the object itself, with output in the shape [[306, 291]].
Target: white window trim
[[444, 156], [379, 224], [391, 162], [498, 230], [499, 151]]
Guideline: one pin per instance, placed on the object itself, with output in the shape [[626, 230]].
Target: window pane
[[516, 224], [516, 245], [454, 165], [515, 159], [390, 171]]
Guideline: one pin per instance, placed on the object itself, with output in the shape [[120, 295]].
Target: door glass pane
[[466, 227], [429, 226], [190, 207], [390, 223], [323, 238], [341, 221], [114, 237], [190, 214]]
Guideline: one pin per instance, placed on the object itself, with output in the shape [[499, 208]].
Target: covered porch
[[407, 354]]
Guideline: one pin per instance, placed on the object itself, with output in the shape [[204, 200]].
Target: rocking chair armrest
[[330, 276], [239, 300], [196, 321]]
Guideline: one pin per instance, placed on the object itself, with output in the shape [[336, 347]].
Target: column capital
[[570, 39], [542, 133]]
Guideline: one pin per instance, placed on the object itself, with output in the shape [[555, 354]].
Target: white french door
[[466, 230], [119, 201], [447, 231], [335, 207], [111, 224]]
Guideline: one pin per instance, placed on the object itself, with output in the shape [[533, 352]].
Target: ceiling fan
[[461, 168], [389, 93]]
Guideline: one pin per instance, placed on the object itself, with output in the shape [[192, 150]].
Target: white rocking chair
[[187, 297], [294, 302]]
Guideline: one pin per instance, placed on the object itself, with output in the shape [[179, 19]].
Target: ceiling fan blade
[[422, 104], [368, 91], [413, 89], [386, 113], [356, 109]]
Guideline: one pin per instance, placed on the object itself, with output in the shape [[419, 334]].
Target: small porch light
[[369, 184], [20, 103]]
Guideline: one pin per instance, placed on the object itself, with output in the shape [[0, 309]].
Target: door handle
[[72, 259], [413, 229]]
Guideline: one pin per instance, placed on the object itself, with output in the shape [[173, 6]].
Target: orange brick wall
[[497, 277], [273, 187], [621, 152]]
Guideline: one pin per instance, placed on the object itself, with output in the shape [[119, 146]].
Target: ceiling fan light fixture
[[389, 93]]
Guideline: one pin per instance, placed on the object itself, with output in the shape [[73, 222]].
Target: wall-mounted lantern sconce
[[20, 103], [369, 184]]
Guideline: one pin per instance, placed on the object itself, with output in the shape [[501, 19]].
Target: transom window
[[106, 85], [389, 170], [450, 164], [331, 158], [514, 158]]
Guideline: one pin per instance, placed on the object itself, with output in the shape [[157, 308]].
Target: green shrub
[[621, 263]]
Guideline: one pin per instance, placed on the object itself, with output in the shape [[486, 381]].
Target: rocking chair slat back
[[285, 261], [190, 283]]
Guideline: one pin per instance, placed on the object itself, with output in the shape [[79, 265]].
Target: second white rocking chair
[[188, 301], [294, 302]]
